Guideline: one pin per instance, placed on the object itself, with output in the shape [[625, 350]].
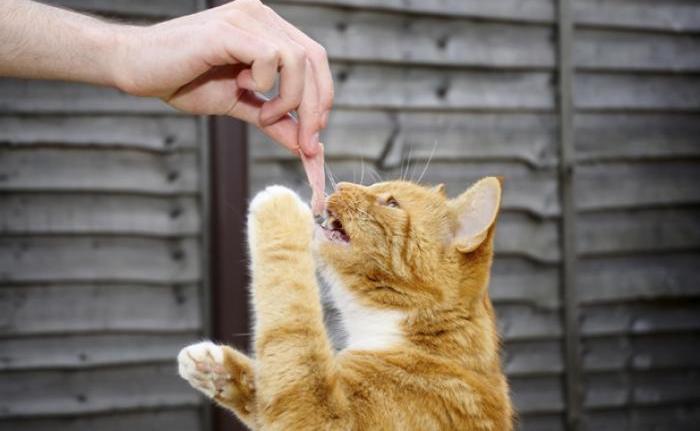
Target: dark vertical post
[[568, 223], [228, 268]]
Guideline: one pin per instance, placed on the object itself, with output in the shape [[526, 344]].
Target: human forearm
[[46, 42]]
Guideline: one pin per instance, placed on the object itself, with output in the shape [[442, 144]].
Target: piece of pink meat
[[313, 166]]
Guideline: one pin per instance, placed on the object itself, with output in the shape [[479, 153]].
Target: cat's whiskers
[[430, 158]]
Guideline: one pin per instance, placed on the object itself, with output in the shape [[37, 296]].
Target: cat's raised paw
[[202, 365], [277, 196], [277, 213]]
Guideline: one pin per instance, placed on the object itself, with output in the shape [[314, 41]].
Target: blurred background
[[121, 220]]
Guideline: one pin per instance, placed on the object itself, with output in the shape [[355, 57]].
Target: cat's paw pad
[[202, 365]]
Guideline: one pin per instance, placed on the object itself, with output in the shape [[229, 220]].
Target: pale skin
[[215, 62]]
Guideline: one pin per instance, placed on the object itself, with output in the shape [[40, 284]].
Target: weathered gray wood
[[647, 318], [638, 51], [550, 422], [515, 10], [613, 136], [640, 277], [519, 234], [600, 91], [533, 358], [152, 133], [68, 393], [645, 418], [537, 395], [533, 191], [642, 388], [656, 230], [642, 352], [125, 259], [621, 185], [48, 213], [49, 97], [99, 308], [446, 136], [70, 351], [363, 86], [151, 8], [669, 15], [358, 35], [517, 280], [523, 322], [83, 170], [181, 419]]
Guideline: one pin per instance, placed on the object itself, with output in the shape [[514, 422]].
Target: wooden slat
[[363, 86], [358, 35], [641, 277], [533, 191], [151, 8], [656, 230], [152, 133], [83, 170], [533, 358], [651, 318], [537, 394], [541, 422], [127, 259], [521, 235], [645, 418], [669, 15], [642, 352], [516, 280], [523, 322], [635, 51], [68, 393], [600, 91], [614, 136], [99, 308], [447, 136], [181, 419], [606, 390], [62, 351], [49, 97], [45, 214], [620, 185], [511, 10]]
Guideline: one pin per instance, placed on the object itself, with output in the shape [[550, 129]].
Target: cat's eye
[[391, 202]]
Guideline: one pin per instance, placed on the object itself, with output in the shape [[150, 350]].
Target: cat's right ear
[[476, 210]]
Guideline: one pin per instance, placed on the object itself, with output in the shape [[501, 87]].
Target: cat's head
[[403, 246]]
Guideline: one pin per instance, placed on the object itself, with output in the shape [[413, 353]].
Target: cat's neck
[[367, 328]]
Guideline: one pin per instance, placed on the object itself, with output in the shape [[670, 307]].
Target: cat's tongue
[[313, 166]]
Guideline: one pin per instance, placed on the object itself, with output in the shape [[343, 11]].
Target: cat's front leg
[[222, 374], [295, 370]]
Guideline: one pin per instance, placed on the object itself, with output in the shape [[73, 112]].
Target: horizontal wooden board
[[524, 322], [532, 395], [67, 393], [55, 97], [181, 419], [641, 318], [669, 15], [66, 351], [151, 8], [530, 138], [533, 358], [639, 136], [515, 10], [126, 259], [540, 422], [99, 308], [365, 86], [640, 353], [517, 280], [605, 91], [605, 390], [45, 214], [521, 235], [151, 133], [359, 35], [525, 189], [92, 170], [652, 230], [636, 185], [635, 51], [680, 417], [644, 277]]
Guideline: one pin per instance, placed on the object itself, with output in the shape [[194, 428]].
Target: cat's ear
[[440, 189], [476, 211]]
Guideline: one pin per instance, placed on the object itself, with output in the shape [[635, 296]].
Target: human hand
[[216, 61]]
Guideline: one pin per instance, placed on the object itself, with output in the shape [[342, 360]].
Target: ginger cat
[[408, 270]]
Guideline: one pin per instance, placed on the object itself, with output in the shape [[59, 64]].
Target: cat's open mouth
[[333, 227]]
